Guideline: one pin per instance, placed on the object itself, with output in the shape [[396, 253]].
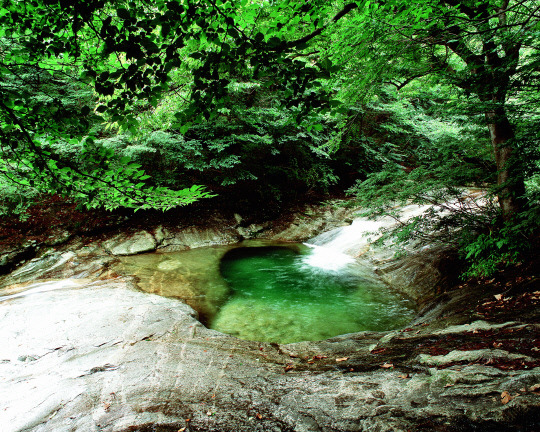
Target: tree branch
[[346, 9]]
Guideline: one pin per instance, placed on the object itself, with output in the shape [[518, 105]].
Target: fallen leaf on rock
[[403, 376], [387, 365], [505, 397], [342, 359], [318, 357]]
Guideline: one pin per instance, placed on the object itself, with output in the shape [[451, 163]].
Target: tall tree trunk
[[510, 181]]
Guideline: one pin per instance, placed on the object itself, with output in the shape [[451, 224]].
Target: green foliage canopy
[[489, 50], [128, 52], [66, 66], [489, 53]]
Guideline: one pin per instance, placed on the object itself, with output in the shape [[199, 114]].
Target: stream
[[274, 292], [85, 346], [260, 290]]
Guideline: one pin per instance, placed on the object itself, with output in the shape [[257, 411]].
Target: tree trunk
[[510, 181]]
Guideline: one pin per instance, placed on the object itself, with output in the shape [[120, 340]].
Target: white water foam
[[326, 258], [339, 247]]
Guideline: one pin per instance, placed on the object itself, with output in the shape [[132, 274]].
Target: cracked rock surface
[[82, 349], [96, 355]]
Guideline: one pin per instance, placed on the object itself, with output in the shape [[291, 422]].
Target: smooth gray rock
[[191, 237], [99, 356], [470, 356], [139, 242], [83, 351]]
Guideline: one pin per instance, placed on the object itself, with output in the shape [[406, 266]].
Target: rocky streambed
[[84, 349]]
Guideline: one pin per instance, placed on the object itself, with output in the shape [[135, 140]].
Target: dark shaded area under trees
[[264, 105]]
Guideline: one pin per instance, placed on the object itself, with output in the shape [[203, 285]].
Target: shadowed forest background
[[151, 105]]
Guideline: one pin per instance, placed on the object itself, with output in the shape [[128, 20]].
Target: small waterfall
[[326, 259], [351, 240], [339, 247], [335, 249]]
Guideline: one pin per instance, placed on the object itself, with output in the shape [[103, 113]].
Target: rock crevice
[[87, 351]]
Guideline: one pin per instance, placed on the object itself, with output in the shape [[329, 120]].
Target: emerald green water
[[278, 295], [273, 292]]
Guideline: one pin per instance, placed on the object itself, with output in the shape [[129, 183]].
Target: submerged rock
[[192, 276]]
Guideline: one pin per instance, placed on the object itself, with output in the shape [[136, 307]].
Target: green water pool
[[273, 292], [278, 295]]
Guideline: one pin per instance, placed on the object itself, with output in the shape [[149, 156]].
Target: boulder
[[192, 237], [123, 244]]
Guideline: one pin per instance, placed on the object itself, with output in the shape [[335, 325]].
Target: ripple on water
[[286, 295], [274, 293]]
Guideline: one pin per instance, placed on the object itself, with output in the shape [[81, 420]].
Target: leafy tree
[[316, 56], [488, 49], [128, 52], [251, 154], [488, 52]]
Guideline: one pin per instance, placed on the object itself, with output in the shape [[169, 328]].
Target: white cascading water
[[339, 247]]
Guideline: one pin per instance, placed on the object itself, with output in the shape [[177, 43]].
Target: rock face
[[140, 242], [192, 237], [84, 350], [99, 356], [297, 228]]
